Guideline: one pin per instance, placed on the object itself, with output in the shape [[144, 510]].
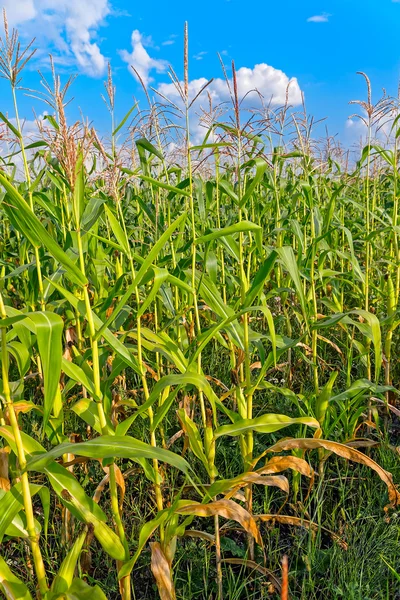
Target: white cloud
[[168, 43], [140, 59], [65, 27], [323, 18], [355, 128], [18, 12], [199, 55], [269, 82]]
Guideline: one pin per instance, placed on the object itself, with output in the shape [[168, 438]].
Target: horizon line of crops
[[121, 271]]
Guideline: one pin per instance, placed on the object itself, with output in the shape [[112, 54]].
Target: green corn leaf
[[18, 527], [22, 356], [323, 398], [70, 492], [146, 145], [207, 336], [193, 435], [33, 229], [264, 424], [258, 282], [286, 255], [63, 579], [79, 190], [117, 230], [124, 120], [163, 344], [11, 320], [160, 276], [10, 126], [87, 410], [53, 121], [109, 446], [227, 188], [160, 184], [374, 333], [12, 587], [78, 374], [210, 293], [84, 508], [49, 327], [80, 590], [10, 505], [260, 165], [243, 226], [183, 379]]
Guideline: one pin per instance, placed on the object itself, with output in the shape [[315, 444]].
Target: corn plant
[[122, 272]]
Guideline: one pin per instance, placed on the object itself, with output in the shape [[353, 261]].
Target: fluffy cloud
[[65, 27], [18, 12], [269, 82], [140, 59], [324, 18]]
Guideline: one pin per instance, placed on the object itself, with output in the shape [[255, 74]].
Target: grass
[[199, 359]]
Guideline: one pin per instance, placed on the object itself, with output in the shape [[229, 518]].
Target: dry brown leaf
[[300, 522], [119, 479], [203, 535], [162, 572], [285, 578], [345, 452], [4, 480], [251, 564], [279, 481], [100, 488], [227, 509], [306, 348], [70, 335], [255, 365], [335, 346], [281, 463], [22, 406], [175, 437], [150, 371], [239, 496], [217, 382], [67, 354], [362, 443], [394, 410]]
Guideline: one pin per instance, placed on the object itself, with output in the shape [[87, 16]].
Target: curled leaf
[[227, 509], [277, 464], [345, 452], [162, 572]]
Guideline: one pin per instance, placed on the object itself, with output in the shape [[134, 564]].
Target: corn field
[[194, 337]]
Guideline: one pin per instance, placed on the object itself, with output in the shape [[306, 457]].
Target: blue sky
[[321, 44]]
